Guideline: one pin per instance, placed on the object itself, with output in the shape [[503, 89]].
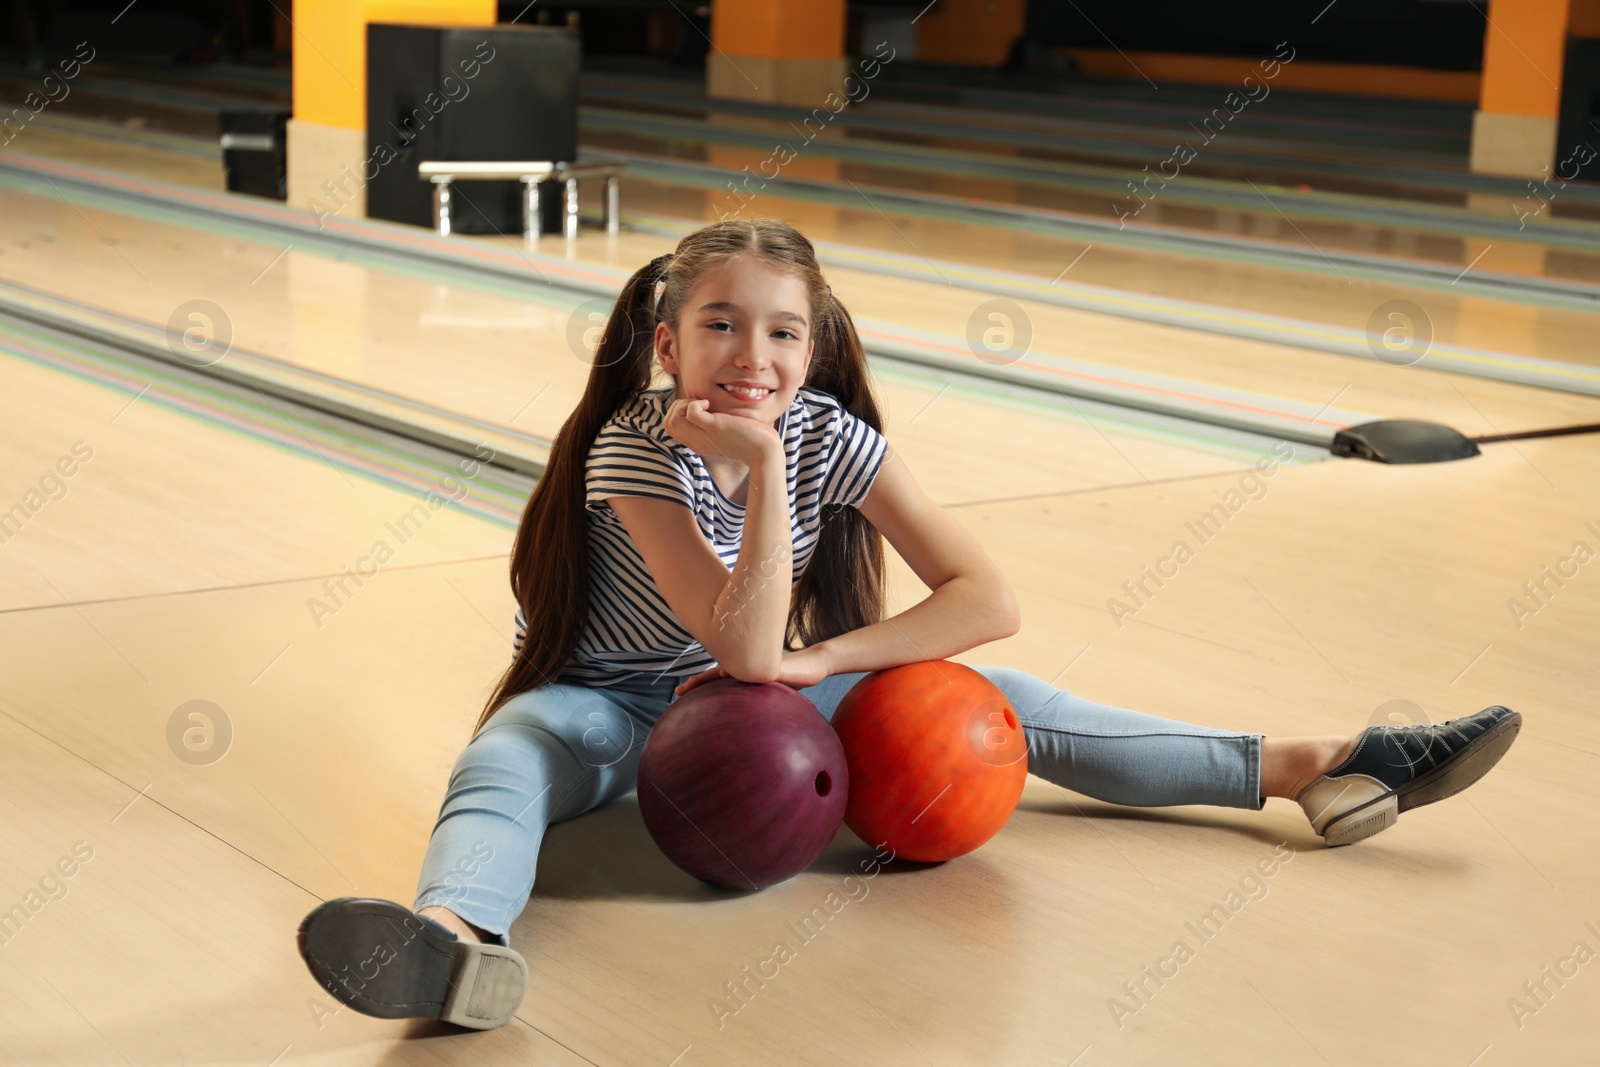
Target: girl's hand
[[797, 670], [693, 423]]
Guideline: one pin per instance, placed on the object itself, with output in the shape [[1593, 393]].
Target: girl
[[731, 524]]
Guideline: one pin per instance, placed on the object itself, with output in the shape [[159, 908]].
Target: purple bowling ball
[[742, 785]]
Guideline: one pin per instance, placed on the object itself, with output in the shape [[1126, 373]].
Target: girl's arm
[[739, 616], [970, 602]]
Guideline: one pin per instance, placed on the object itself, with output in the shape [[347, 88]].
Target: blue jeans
[[562, 749]]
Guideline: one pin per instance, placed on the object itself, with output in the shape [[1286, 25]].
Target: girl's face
[[746, 324]]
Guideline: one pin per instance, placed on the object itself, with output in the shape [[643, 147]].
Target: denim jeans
[[562, 749]]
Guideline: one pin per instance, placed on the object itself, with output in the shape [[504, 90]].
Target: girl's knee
[[591, 729], [1026, 692], [545, 774]]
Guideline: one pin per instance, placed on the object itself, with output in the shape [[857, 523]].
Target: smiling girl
[[731, 523]]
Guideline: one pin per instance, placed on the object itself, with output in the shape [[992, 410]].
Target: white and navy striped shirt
[[833, 458]]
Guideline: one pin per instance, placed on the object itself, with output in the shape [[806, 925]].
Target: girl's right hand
[[709, 433]]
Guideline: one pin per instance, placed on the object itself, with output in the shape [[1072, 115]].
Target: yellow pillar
[[1519, 98], [777, 51], [327, 137]]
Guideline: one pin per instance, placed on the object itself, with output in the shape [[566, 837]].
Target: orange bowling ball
[[936, 756]]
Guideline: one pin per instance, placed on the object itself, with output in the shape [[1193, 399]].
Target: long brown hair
[[842, 588]]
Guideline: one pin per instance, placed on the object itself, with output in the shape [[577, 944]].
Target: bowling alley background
[[1254, 341]]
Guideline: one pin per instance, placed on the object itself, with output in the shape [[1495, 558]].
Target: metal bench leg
[[441, 207], [531, 222], [570, 227], [613, 208]]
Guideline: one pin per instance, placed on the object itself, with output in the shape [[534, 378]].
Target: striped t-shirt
[[833, 458]]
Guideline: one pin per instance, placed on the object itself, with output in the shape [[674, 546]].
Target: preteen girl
[[731, 523]]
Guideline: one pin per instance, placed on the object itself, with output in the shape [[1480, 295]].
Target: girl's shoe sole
[[1472, 763], [382, 959]]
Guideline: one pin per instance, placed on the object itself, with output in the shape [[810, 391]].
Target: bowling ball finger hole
[[824, 783], [1011, 720]]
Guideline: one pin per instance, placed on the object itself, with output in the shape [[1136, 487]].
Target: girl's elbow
[[755, 671], [766, 674], [1008, 614], [751, 668], [1012, 623]]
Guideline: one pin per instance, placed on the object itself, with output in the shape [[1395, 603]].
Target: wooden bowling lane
[[1475, 406], [1452, 317], [134, 933], [1418, 157], [1281, 623], [1440, 137], [513, 354], [108, 493], [1367, 582], [1261, 201], [175, 942], [308, 722], [338, 762], [1324, 294], [1315, 607], [511, 361], [120, 149], [509, 355]]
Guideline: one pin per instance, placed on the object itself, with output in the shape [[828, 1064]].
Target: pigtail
[[549, 559], [843, 587]]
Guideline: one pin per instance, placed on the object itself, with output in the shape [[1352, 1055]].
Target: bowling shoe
[[383, 959], [1396, 768]]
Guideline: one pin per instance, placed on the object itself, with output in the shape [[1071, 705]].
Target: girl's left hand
[[797, 670]]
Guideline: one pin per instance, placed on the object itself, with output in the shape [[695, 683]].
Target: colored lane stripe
[[383, 235], [198, 399]]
